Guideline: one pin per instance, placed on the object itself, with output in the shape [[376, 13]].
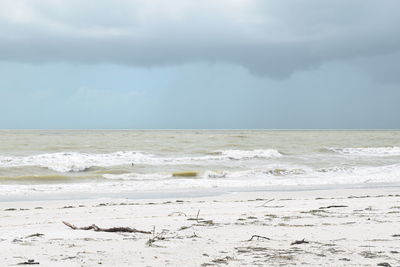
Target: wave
[[224, 179], [282, 176], [211, 174], [367, 151], [137, 176], [325, 174], [80, 162], [74, 161], [249, 154], [274, 175], [36, 178]]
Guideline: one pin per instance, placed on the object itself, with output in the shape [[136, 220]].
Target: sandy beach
[[347, 227]]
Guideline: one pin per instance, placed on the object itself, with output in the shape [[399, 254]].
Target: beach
[[199, 198], [333, 227]]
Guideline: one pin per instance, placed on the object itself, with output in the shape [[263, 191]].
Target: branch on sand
[[268, 201], [298, 242], [333, 206], [28, 262], [159, 236], [197, 217], [113, 229], [178, 213], [34, 235], [258, 237]]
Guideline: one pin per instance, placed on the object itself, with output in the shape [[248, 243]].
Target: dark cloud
[[274, 38]]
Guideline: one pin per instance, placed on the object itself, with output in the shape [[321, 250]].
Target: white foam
[[226, 155], [248, 154], [368, 151], [76, 162], [249, 178], [281, 176], [137, 176], [215, 174]]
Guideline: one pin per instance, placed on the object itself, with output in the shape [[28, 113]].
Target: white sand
[[364, 233]]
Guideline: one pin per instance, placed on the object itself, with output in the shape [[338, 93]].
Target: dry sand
[[357, 227]]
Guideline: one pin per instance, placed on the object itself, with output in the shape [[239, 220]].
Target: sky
[[199, 64]]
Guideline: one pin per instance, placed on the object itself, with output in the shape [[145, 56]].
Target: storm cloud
[[273, 38]]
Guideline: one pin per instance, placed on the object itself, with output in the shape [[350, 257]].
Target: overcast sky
[[137, 64]]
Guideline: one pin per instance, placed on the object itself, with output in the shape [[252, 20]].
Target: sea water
[[99, 162]]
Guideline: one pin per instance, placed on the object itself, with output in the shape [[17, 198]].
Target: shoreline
[[340, 227], [186, 192]]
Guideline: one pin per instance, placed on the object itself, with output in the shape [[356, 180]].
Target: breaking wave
[[225, 179], [74, 161], [283, 176], [80, 162], [368, 151], [249, 154]]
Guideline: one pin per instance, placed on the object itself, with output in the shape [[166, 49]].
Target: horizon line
[[204, 129]]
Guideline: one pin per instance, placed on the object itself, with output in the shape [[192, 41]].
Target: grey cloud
[[274, 38]]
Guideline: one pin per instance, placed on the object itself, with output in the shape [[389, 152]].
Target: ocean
[[122, 162]]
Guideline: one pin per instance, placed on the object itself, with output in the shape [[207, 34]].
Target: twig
[[197, 219], [193, 236], [28, 262], [333, 206], [258, 237], [223, 260], [34, 235], [384, 264], [113, 229], [155, 238], [179, 213], [263, 205], [298, 242]]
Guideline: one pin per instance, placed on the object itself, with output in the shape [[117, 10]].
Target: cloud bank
[[274, 38]]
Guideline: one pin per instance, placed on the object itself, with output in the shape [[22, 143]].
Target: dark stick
[[298, 242], [258, 237], [28, 262], [113, 229], [333, 206]]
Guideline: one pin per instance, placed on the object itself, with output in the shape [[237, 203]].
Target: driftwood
[[298, 242], [28, 262], [197, 217], [159, 236], [384, 264], [263, 205], [34, 235], [113, 229], [223, 260], [333, 206], [178, 213], [258, 237], [151, 241]]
